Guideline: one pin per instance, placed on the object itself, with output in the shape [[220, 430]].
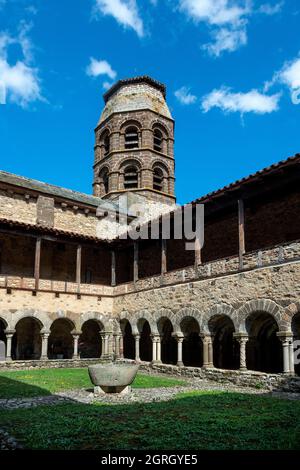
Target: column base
[[243, 369], [156, 362], [180, 364], [44, 358], [8, 359]]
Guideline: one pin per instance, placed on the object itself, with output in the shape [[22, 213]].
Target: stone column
[[291, 350], [179, 339], [205, 340], [137, 347], [45, 337], [210, 352], [158, 349], [121, 347], [153, 337], [242, 339], [285, 338], [117, 345], [76, 338], [9, 335], [104, 345]]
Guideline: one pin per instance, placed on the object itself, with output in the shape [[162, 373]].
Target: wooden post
[[164, 267], [113, 268], [135, 262], [242, 248], [78, 268], [37, 262]]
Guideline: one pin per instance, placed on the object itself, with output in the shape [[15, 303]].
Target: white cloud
[[216, 12], [100, 67], [269, 9], [251, 102], [106, 85], [289, 75], [226, 39], [19, 82], [125, 12], [184, 96]]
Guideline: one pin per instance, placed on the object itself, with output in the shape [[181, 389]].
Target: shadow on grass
[[10, 388], [190, 421]]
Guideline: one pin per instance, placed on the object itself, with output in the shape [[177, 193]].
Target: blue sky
[[232, 70]]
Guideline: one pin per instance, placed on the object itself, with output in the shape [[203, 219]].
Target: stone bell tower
[[134, 149]]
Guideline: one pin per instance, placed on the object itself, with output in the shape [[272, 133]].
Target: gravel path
[[141, 395]]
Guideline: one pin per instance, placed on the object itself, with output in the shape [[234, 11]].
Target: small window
[[157, 140], [106, 142], [130, 177], [131, 138], [104, 178], [158, 179]]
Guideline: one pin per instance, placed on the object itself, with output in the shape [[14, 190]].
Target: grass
[[199, 420], [32, 383]]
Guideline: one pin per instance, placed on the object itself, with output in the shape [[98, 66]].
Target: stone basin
[[112, 377]]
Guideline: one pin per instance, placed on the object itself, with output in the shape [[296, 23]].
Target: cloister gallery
[[71, 288]]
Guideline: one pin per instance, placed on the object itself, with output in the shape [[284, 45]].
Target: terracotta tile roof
[[50, 231], [275, 167], [58, 191]]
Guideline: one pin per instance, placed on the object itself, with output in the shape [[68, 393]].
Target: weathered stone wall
[[48, 364], [69, 217], [247, 378], [47, 307], [270, 289]]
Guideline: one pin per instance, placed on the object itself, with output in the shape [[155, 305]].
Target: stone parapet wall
[[258, 259], [16, 282], [248, 378], [48, 364]]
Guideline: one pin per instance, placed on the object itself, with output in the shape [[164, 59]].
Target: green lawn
[[201, 420], [31, 383]]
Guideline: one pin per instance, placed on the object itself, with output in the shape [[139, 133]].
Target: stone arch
[[104, 130], [163, 312], [128, 123], [165, 166], [119, 164], [264, 306], [263, 349], [27, 340], [145, 333], [220, 309], [128, 338], [225, 346], [42, 317], [61, 341], [4, 321], [162, 131], [288, 315], [90, 341], [131, 318], [186, 312], [108, 324], [166, 128], [165, 328]]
